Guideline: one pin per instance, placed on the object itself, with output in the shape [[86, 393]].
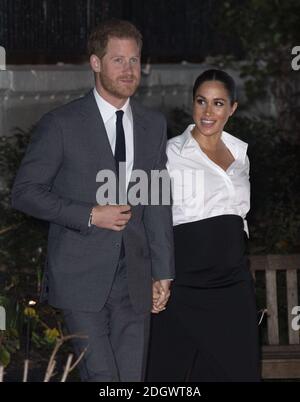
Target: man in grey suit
[[104, 262]]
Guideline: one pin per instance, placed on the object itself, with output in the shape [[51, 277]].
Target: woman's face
[[211, 108]]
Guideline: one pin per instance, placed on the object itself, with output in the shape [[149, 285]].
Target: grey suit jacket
[[57, 182]]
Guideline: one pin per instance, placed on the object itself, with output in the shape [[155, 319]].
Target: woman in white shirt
[[208, 331]]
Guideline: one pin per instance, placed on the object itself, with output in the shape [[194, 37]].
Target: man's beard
[[121, 90]]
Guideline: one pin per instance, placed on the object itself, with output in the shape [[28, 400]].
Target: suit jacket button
[[118, 245]]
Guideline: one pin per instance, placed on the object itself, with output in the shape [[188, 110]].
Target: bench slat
[[280, 368], [281, 352], [258, 262], [292, 300], [274, 262], [279, 361], [271, 290]]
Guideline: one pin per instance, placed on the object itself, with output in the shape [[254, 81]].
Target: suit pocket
[[73, 243]]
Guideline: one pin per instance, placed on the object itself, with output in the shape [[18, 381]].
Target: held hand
[[160, 295], [155, 296], [114, 217]]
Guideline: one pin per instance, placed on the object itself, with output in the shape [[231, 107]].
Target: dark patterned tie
[[120, 149], [120, 156]]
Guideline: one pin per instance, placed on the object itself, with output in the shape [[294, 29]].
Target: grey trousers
[[117, 337]]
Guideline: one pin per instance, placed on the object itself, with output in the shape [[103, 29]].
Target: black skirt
[[209, 330], [211, 252]]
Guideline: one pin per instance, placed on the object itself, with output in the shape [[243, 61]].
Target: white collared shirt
[[208, 190], [108, 114]]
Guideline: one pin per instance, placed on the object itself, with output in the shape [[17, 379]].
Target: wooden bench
[[279, 361]]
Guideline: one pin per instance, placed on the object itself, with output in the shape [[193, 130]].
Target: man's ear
[[95, 63]]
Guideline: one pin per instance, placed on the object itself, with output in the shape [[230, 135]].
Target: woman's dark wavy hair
[[217, 75]]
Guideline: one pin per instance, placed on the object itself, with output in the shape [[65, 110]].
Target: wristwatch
[[90, 219]]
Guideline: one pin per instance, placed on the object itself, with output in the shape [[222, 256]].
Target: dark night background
[[47, 31]]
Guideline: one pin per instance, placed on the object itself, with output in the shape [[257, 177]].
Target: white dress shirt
[[108, 114], [204, 189]]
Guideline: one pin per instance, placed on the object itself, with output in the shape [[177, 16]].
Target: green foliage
[[275, 186], [178, 120], [22, 254], [262, 24], [267, 30], [21, 243], [9, 339], [4, 356]]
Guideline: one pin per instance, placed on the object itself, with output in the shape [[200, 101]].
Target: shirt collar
[[188, 142], [107, 110], [237, 147]]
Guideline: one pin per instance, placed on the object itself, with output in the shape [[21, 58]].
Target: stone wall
[[28, 91]]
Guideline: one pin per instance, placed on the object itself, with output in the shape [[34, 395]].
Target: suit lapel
[[142, 141], [97, 138], [139, 136], [96, 134]]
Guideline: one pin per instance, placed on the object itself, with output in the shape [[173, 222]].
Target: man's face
[[119, 70]]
